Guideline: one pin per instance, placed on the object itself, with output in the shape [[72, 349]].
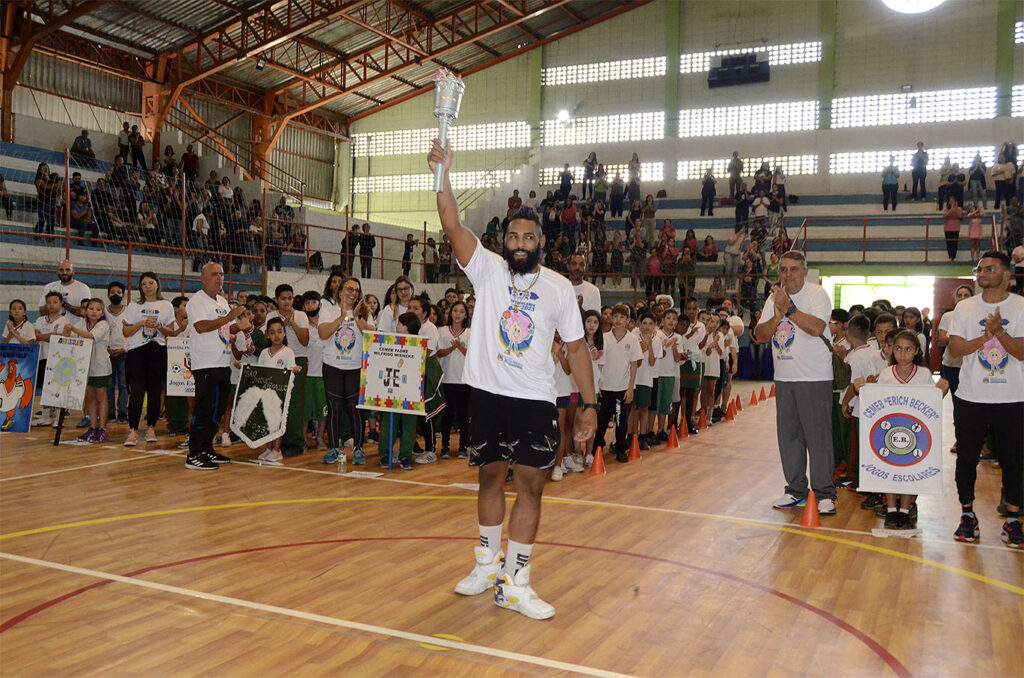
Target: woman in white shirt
[[147, 323], [452, 345], [94, 326], [404, 291]]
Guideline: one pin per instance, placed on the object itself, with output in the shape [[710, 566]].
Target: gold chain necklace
[[519, 296]]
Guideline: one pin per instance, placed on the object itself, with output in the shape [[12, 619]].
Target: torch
[[448, 91]]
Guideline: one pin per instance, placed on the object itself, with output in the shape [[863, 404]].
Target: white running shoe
[[488, 568], [557, 473], [426, 458], [826, 507], [273, 457], [515, 593], [573, 463], [225, 439], [589, 461], [42, 419]]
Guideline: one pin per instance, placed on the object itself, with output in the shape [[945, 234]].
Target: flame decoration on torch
[[448, 91]]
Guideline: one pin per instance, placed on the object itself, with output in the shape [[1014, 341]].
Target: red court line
[[892, 662]]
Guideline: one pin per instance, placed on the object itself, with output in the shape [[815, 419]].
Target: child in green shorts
[[314, 397], [640, 420]]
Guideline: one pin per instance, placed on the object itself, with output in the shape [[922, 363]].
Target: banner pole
[[391, 438]]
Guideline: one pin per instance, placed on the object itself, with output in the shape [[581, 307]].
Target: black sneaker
[[463, 453], [200, 463], [892, 520], [446, 453], [844, 481], [1001, 509], [880, 510], [904, 523], [1013, 535], [871, 502], [292, 451], [693, 430], [662, 437], [406, 464], [217, 458], [968, 530], [913, 512], [622, 457]]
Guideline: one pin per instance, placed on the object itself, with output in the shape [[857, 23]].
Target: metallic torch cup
[[448, 91]]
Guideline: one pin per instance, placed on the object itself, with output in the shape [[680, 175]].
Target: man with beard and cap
[[71, 291], [520, 305], [587, 295]]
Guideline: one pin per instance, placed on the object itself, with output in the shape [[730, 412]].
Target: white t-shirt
[[454, 364], [798, 355], [712, 358], [692, 343], [243, 342], [597, 364], [315, 364], [44, 326], [122, 138], [342, 350], [284, 358], [200, 224], [387, 320], [565, 385], [945, 322], [208, 349], [619, 354], [863, 362], [667, 365], [161, 309], [99, 364], [73, 293], [646, 373], [26, 332], [919, 376], [299, 319], [433, 335], [990, 374], [510, 353], [116, 322], [590, 295]]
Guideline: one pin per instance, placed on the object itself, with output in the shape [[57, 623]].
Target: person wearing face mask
[[314, 400], [117, 394]]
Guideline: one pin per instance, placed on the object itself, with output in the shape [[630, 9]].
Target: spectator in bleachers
[[275, 243], [975, 230], [1012, 224], [775, 210], [709, 252], [779, 184], [76, 186], [514, 201], [168, 164], [589, 166], [1003, 176], [565, 182], [652, 282], [690, 240], [953, 218], [81, 150], [687, 274], [890, 184], [763, 178], [956, 181], [533, 202], [1009, 149], [919, 172], [647, 214], [634, 169], [431, 258], [138, 144], [633, 219], [102, 202], [743, 200], [976, 182], [212, 183], [707, 193], [943, 181], [735, 170], [617, 258], [189, 164], [124, 144], [633, 190], [781, 243], [600, 184], [48, 196], [146, 219], [667, 231], [599, 259], [637, 254], [716, 293], [366, 245], [616, 196], [570, 221], [5, 197], [599, 214], [759, 207], [733, 254], [82, 217]]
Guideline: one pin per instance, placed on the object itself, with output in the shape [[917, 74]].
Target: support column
[[827, 65], [156, 106], [263, 140], [1004, 57], [672, 40], [13, 55], [535, 95]]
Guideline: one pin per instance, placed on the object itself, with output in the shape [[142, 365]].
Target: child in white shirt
[[50, 323], [713, 351], [276, 354], [94, 326]]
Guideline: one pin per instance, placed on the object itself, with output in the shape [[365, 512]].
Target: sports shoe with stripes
[[968, 530], [489, 566], [1013, 535], [513, 592]]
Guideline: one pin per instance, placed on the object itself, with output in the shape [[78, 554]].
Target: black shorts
[[514, 430]]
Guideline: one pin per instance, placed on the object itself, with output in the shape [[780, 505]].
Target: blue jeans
[[119, 384]]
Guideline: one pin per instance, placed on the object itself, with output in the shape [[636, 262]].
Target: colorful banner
[[18, 362], [393, 373], [901, 439], [179, 368], [260, 411], [67, 371]]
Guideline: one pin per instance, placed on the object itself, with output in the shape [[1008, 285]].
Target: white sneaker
[[826, 507], [225, 439], [573, 463], [788, 501], [271, 457], [426, 458], [515, 593], [589, 461], [41, 419], [183, 445], [488, 568], [556, 474]]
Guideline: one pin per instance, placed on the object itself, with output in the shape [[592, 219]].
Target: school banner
[[901, 439], [393, 374], [18, 362], [179, 368], [260, 410], [67, 371]]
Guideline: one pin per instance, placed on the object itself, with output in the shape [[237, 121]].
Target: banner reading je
[[393, 373]]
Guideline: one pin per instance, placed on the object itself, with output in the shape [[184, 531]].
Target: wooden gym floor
[[120, 562]]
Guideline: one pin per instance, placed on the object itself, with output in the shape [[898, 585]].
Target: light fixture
[[563, 115], [912, 6], [260, 64]]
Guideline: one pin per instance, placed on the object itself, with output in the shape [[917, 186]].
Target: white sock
[[490, 537], [518, 556]]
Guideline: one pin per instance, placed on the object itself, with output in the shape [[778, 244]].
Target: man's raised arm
[[463, 240]]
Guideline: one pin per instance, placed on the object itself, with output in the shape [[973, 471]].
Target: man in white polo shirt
[[587, 295], [71, 291], [794, 318]]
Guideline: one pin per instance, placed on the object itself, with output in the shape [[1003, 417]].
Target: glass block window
[[752, 119], [626, 69], [792, 165], [649, 171], [397, 183], [495, 135], [1017, 107], [905, 108], [778, 55], [871, 162], [604, 129]]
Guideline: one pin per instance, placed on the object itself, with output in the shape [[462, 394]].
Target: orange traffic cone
[[673, 441], [702, 422], [597, 468], [771, 393], [739, 404], [634, 449], [810, 518], [730, 412], [684, 431], [753, 397], [763, 396]]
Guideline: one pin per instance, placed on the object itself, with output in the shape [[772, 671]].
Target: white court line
[[73, 468], [321, 619]]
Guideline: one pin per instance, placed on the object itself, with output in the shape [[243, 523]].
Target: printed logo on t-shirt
[[149, 332], [344, 339], [785, 334], [993, 358], [515, 330]]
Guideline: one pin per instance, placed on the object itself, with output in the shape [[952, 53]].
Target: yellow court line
[[1019, 590]]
